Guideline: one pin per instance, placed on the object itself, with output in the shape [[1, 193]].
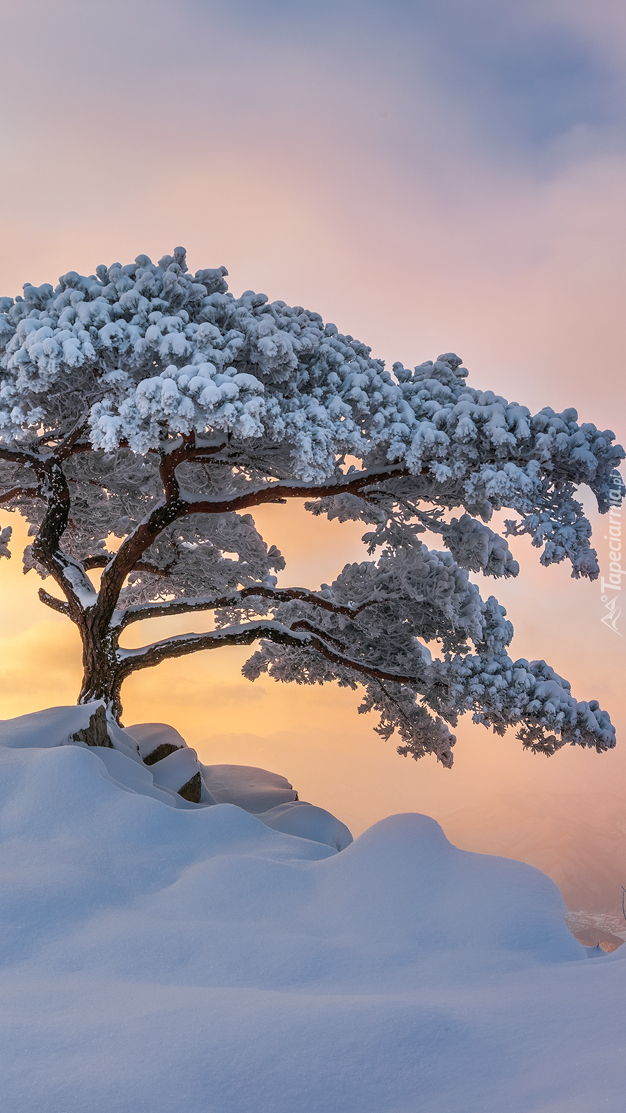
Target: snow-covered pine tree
[[151, 406]]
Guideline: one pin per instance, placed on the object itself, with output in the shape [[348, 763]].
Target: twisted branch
[[183, 644], [236, 598]]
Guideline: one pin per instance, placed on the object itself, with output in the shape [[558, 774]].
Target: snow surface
[[268, 795], [255, 790], [158, 958], [149, 736]]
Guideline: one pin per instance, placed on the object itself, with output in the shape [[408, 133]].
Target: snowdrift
[[154, 759], [160, 955]]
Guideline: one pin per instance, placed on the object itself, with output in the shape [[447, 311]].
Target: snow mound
[[254, 790], [165, 768], [152, 737], [268, 795], [160, 957], [309, 822], [577, 838], [55, 726]]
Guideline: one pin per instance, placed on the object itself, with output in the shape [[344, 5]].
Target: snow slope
[[160, 959]]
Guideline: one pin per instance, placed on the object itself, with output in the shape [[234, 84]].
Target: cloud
[[513, 79], [522, 76]]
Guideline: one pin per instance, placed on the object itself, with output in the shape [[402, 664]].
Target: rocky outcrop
[[192, 789], [96, 732], [164, 750]]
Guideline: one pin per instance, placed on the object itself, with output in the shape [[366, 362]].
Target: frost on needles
[[148, 405]]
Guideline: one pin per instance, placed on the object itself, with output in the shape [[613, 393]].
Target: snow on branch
[[148, 405], [5, 537], [502, 693], [182, 644], [235, 600]]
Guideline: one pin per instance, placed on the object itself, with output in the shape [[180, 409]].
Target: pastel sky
[[432, 177]]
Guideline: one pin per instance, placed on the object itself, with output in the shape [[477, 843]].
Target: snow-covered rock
[[55, 726], [155, 740], [180, 770], [309, 822], [254, 790], [268, 795], [170, 770], [159, 955]]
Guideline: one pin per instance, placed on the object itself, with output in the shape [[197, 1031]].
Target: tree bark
[[101, 679]]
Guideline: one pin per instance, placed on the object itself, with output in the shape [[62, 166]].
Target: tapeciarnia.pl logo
[[611, 588]]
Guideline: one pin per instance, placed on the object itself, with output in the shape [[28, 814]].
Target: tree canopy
[[145, 411]]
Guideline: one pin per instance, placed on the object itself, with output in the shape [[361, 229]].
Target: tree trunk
[[101, 674]]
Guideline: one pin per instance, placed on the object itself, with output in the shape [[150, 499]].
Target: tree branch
[[235, 599], [169, 510], [167, 471], [56, 604], [70, 446], [67, 572], [15, 492], [284, 489], [140, 566], [183, 644], [21, 456]]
